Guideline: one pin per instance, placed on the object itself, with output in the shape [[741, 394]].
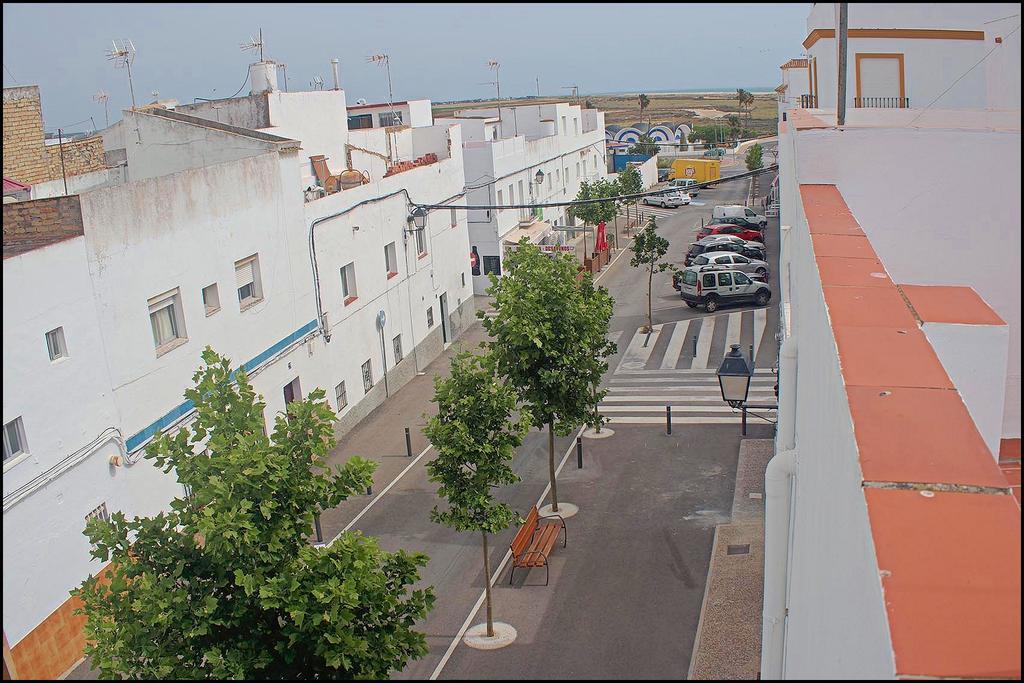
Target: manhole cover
[[737, 549]]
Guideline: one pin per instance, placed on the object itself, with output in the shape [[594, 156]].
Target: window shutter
[[244, 275]]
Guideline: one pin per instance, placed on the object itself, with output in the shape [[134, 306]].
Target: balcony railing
[[808, 101], [881, 102]]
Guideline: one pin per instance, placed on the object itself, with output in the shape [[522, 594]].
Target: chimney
[[262, 77], [334, 68]]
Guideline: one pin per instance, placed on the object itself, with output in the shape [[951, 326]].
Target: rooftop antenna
[[317, 83], [102, 97], [493, 64], [123, 55], [385, 60], [255, 43]]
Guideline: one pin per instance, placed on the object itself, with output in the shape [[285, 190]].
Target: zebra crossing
[[676, 364]]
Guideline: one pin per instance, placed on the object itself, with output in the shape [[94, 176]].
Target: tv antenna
[[255, 43], [123, 55], [102, 97], [385, 60], [317, 83]]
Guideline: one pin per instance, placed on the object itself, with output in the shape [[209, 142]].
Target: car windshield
[[701, 260], [689, 277]]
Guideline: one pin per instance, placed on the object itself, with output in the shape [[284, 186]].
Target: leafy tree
[[648, 249], [644, 101], [476, 439], [226, 584], [707, 133], [644, 145], [594, 336], [597, 212], [755, 157], [541, 340], [630, 183], [734, 125]]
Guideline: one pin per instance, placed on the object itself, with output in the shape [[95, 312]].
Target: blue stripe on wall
[[175, 413]]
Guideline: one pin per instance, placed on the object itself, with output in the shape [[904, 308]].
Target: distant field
[[672, 108]]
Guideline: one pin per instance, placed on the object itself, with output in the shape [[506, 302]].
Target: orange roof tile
[[781, 89], [1009, 450], [803, 120], [888, 357], [898, 440], [795, 64], [847, 246], [867, 307], [950, 572], [946, 304], [852, 272], [827, 212]]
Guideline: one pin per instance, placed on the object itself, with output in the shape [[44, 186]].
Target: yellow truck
[[701, 170]]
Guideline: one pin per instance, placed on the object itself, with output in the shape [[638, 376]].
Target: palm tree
[[644, 101], [734, 125], [745, 100]]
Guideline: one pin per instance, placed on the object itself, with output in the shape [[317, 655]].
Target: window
[[360, 121], [340, 396], [165, 316], [724, 279], [211, 299], [391, 260], [511, 195], [492, 264], [14, 439], [549, 181], [421, 242], [397, 342], [522, 195], [748, 212], [584, 167], [454, 217], [348, 283], [55, 344], [564, 129], [708, 281], [577, 170], [575, 126], [430, 315], [740, 259], [501, 199], [741, 279], [247, 281], [99, 513], [390, 118], [367, 376]]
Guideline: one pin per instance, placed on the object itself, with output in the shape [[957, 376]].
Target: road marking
[[707, 333], [637, 354], [760, 323], [497, 573], [620, 398], [675, 406], [673, 374], [613, 420], [675, 344], [732, 332]]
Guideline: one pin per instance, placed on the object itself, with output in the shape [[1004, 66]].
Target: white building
[[206, 233], [892, 527], [794, 89], [506, 155]]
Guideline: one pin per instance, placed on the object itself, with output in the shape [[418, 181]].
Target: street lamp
[[539, 178], [734, 377], [419, 217]]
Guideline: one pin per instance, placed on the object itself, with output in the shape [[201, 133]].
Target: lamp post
[[734, 380]]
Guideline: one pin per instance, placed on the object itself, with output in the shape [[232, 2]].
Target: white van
[[687, 185], [739, 211]]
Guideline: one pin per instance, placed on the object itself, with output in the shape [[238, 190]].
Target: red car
[[728, 229]]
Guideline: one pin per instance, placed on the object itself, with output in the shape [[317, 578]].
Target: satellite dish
[[361, 100]]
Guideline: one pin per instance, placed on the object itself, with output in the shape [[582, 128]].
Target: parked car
[[688, 185], [741, 221], [738, 261], [670, 200], [663, 174], [738, 210], [714, 286], [752, 250], [717, 152], [727, 229]]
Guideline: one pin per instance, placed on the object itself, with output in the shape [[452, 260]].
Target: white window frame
[[12, 456], [421, 242], [168, 300], [391, 259], [56, 345], [367, 373], [252, 263], [211, 304], [349, 293]]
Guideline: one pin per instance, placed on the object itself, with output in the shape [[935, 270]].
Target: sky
[[437, 51]]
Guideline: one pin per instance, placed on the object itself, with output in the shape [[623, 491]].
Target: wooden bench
[[534, 542]]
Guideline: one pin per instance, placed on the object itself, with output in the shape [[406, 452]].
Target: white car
[[670, 200]]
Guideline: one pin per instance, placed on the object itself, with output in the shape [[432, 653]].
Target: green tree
[[226, 584], [648, 249], [644, 145], [475, 439], [755, 157], [707, 134], [644, 101], [540, 340], [734, 125], [630, 183]]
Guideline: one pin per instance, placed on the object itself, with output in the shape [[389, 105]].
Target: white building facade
[[522, 156], [206, 233]]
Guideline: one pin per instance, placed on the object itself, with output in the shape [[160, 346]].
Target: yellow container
[[701, 170]]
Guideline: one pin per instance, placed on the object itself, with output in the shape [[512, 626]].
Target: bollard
[[668, 419], [319, 531], [694, 346], [408, 443], [369, 490], [744, 430], [579, 453]]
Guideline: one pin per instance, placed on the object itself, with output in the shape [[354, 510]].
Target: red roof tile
[[889, 357], [945, 304], [846, 246], [867, 307], [950, 573], [852, 272], [826, 212]]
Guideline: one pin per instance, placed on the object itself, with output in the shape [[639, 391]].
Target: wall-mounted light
[[539, 178]]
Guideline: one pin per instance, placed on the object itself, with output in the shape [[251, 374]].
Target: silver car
[[669, 200], [736, 261]]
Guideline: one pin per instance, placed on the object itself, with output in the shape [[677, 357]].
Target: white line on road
[[732, 332], [707, 333], [497, 573], [675, 344], [675, 406], [612, 420], [760, 323], [765, 393]]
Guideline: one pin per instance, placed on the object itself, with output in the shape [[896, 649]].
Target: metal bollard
[[579, 453], [408, 443], [694, 346], [668, 419], [369, 490]]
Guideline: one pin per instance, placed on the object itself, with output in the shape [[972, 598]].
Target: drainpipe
[[779, 480], [841, 36]]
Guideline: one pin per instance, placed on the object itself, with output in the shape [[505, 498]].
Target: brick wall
[[26, 157], [36, 223]]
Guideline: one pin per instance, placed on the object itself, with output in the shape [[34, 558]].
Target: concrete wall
[[837, 626], [318, 119], [986, 167], [252, 111]]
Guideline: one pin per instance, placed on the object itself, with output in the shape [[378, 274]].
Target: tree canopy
[[644, 145], [648, 249], [755, 157], [226, 583]]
